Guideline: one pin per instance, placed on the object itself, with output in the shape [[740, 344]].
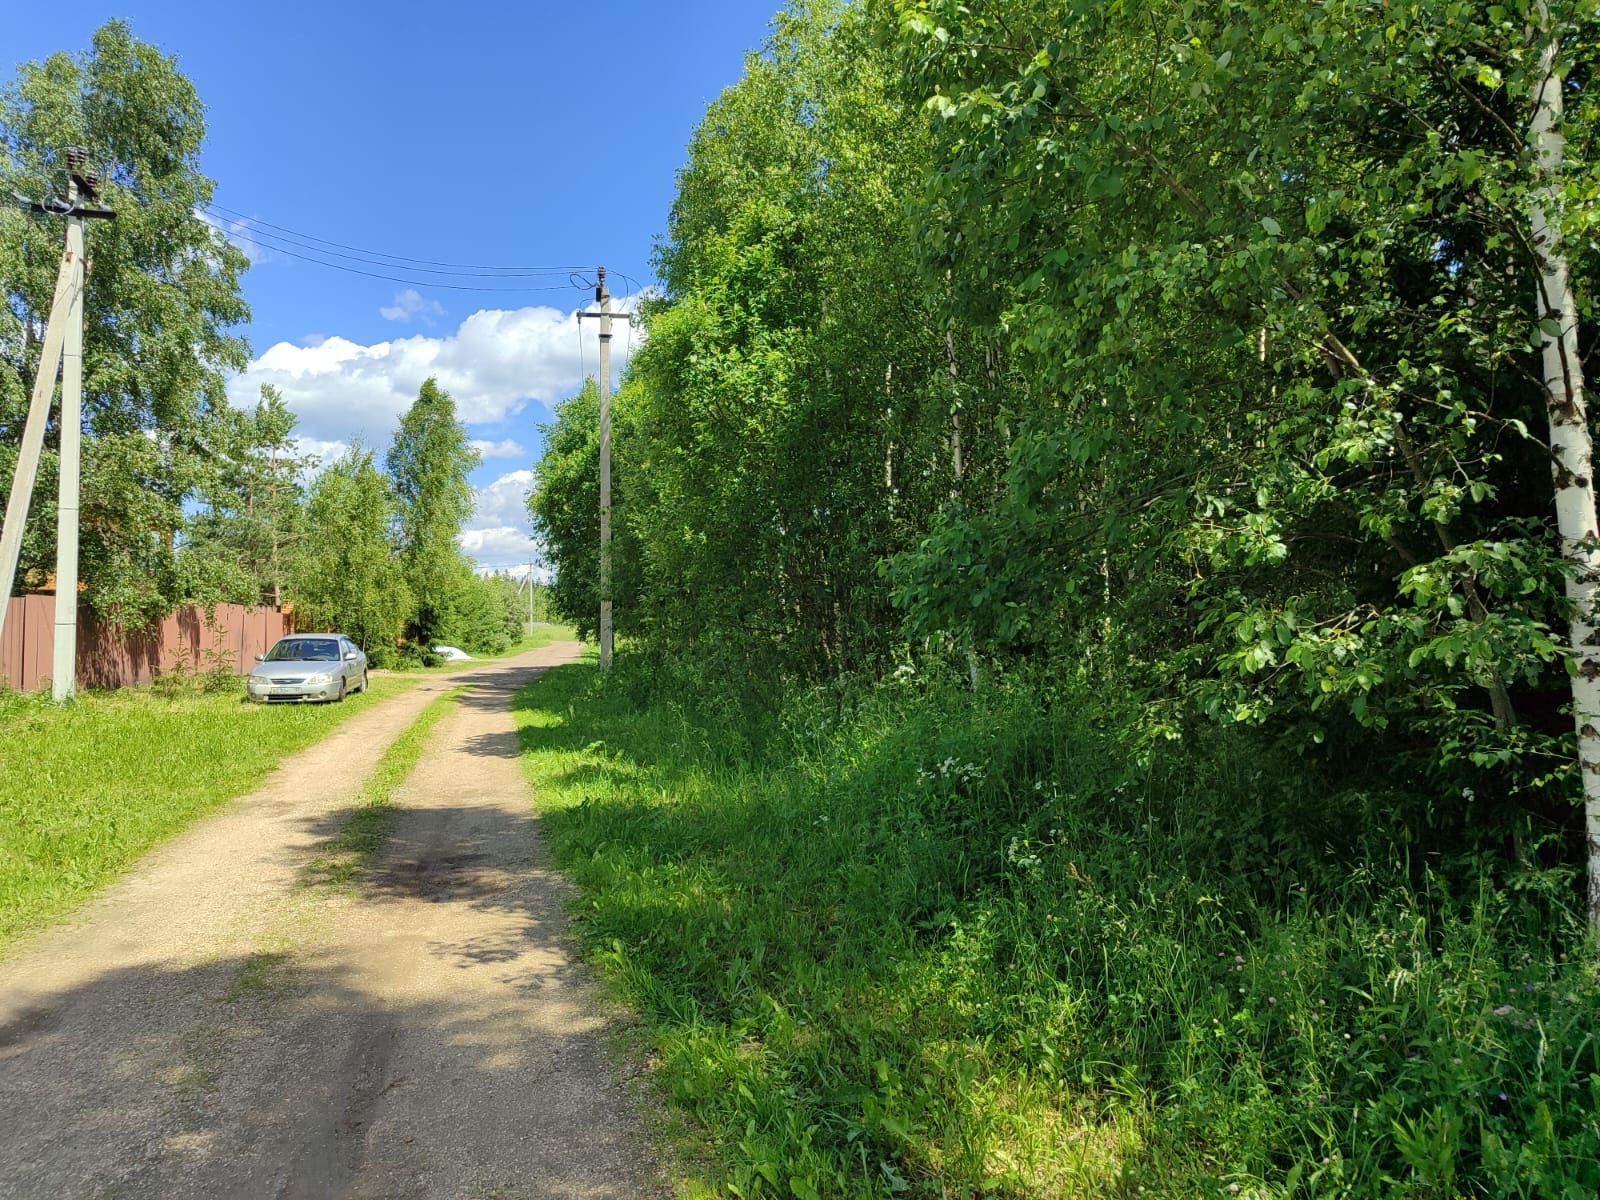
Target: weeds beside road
[[912, 939], [87, 788]]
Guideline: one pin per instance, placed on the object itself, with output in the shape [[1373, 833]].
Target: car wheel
[[365, 684], [339, 699]]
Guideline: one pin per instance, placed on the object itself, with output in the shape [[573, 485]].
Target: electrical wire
[[235, 214], [427, 283], [231, 220], [311, 249], [271, 241]]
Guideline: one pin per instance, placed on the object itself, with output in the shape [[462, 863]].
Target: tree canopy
[[161, 306]]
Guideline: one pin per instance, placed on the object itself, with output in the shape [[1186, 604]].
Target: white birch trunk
[[1570, 444]]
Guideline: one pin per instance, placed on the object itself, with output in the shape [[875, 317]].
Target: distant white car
[[452, 654]]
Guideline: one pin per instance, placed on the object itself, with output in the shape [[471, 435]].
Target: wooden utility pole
[[603, 297]]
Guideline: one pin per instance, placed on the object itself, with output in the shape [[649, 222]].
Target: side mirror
[[349, 656], [261, 658]]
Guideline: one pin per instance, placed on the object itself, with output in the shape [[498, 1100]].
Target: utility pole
[[603, 298], [63, 349], [64, 674], [44, 386]]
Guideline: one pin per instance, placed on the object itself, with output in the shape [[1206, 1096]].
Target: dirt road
[[215, 1026]]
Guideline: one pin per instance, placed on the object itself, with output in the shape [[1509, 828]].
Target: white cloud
[[323, 451], [503, 502], [410, 303], [504, 448], [499, 532], [495, 364]]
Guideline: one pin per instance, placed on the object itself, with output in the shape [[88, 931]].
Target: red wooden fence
[[110, 656]]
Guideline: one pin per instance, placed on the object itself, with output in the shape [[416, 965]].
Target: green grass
[[914, 941], [86, 788], [347, 856], [541, 634]]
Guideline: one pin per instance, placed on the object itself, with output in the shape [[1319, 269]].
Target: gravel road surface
[[213, 1025]]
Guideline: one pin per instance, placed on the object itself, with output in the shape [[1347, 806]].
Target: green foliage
[[486, 616], [1272, 292], [253, 506], [1187, 353], [801, 403], [347, 575], [85, 789], [428, 464], [565, 507], [1201, 344], [162, 294], [917, 940]]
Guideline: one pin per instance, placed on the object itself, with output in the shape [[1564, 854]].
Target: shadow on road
[[266, 1076]]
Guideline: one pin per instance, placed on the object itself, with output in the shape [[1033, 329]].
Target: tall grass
[[86, 788], [915, 941]]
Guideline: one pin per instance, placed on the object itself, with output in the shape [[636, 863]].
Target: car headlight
[[320, 677]]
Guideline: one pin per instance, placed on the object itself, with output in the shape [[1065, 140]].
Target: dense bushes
[[1171, 374], [915, 937]]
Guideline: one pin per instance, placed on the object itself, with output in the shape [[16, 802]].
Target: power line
[[427, 283], [227, 218], [271, 241], [399, 259]]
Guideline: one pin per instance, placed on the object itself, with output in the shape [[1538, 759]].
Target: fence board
[[110, 656]]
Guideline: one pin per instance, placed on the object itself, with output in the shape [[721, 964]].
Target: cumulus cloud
[[410, 303], [504, 448], [495, 364], [323, 451], [505, 501], [499, 532]]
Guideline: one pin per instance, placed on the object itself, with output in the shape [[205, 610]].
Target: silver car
[[308, 666]]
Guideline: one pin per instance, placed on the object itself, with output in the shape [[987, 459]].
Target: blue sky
[[522, 134]]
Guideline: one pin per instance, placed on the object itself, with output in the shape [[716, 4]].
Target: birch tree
[[1571, 448], [161, 314]]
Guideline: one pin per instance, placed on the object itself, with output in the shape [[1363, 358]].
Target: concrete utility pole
[[63, 349], [64, 673], [603, 298], [44, 386], [603, 295]]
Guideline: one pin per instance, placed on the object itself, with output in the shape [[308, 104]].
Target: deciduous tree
[[162, 299]]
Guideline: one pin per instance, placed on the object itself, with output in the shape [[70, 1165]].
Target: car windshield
[[304, 650]]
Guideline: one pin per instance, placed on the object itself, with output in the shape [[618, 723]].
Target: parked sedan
[[308, 666]]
